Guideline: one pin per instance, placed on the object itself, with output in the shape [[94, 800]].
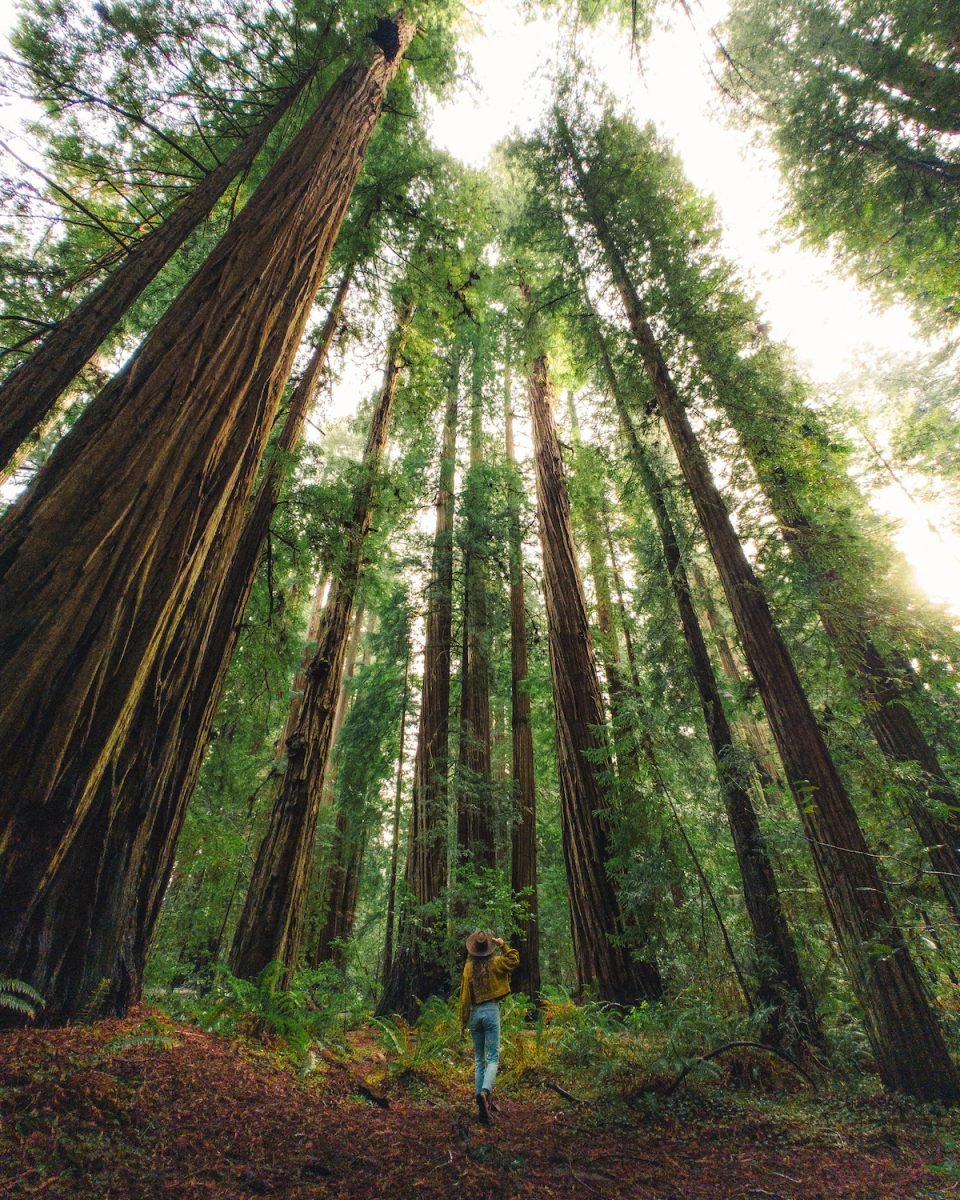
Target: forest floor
[[143, 1109]]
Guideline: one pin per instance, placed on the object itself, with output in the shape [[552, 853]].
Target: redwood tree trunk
[[333, 887], [907, 1042], [99, 561], [271, 925], [475, 824], [395, 841], [32, 390], [782, 988], [595, 917], [419, 969], [95, 919], [526, 978]]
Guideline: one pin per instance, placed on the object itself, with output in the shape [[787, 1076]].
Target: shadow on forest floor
[[142, 1108]]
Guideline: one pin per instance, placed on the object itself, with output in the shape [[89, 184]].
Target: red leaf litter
[[82, 1114]]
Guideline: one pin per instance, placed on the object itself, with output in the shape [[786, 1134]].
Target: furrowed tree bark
[[397, 810], [475, 818], [271, 925], [90, 932], [523, 879], [603, 962], [907, 1043], [100, 559], [32, 390], [419, 969]]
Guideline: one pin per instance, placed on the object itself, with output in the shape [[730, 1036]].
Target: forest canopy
[[394, 548]]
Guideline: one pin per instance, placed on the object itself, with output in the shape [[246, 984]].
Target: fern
[[17, 996]]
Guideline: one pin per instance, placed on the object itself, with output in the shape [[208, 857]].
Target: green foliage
[[19, 997], [860, 101]]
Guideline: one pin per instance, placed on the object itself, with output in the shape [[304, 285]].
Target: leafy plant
[[17, 996]]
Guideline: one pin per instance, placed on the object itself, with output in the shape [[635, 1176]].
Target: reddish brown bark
[[271, 925], [782, 987], [596, 921], [526, 978], [475, 817], [419, 969], [395, 839], [907, 1042], [90, 931], [32, 390]]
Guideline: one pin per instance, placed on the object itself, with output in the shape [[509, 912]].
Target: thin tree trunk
[[397, 809], [526, 978], [32, 390], [595, 917], [907, 1042], [332, 890], [475, 824], [271, 925], [419, 969], [782, 987], [99, 561]]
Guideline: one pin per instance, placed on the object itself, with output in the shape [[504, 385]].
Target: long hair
[[480, 968]]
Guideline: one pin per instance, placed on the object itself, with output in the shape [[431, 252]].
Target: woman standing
[[486, 980]]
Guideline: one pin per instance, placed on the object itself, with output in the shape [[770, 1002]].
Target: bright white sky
[[809, 303]]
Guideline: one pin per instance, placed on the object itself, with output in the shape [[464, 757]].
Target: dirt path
[[85, 1113]]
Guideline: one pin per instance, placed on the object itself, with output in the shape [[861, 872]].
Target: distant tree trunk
[[475, 817], [397, 809], [113, 877], [907, 1042], [781, 984], [419, 969], [755, 735], [309, 649], [595, 917], [32, 390], [932, 803], [100, 561], [526, 978], [332, 890], [271, 925]]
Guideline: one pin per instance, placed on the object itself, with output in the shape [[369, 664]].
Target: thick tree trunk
[[100, 560], [271, 925], [595, 917], [475, 817], [397, 810], [526, 978], [33, 389], [419, 969], [91, 929], [907, 1042]]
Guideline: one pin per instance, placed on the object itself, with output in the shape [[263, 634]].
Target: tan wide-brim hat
[[480, 945]]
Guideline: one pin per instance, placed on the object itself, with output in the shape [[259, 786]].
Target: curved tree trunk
[[32, 390], [596, 921], [907, 1042], [271, 925], [526, 978]]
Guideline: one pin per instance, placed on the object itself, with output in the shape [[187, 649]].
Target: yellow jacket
[[496, 984]]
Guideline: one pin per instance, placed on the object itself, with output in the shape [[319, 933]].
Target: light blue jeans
[[485, 1031]]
